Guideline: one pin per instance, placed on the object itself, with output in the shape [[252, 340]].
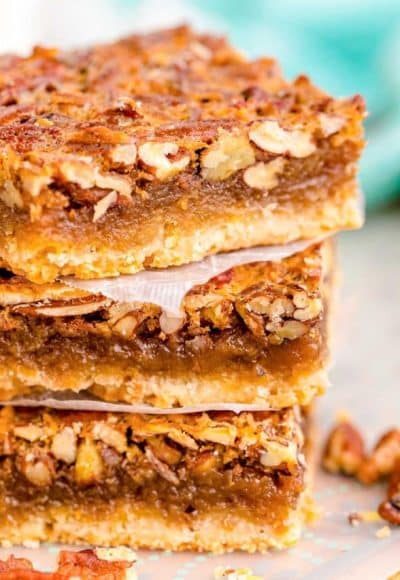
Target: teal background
[[347, 47]]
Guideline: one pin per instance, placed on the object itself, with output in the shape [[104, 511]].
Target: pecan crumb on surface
[[356, 518], [227, 573], [383, 532]]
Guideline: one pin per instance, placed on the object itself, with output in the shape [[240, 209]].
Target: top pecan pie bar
[[160, 149]]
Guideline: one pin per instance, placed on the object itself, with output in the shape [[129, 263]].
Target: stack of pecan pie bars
[[152, 152]]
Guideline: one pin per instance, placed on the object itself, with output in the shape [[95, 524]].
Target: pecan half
[[162, 157], [381, 462], [162, 468], [270, 136], [264, 175], [344, 450], [228, 154]]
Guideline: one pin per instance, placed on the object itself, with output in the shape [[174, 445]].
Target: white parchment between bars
[[70, 401], [167, 287]]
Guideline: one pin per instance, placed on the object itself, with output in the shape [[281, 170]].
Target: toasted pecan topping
[[110, 436], [125, 154], [264, 176], [276, 312], [29, 432], [94, 445], [161, 467], [77, 307], [39, 472], [330, 124], [89, 465], [102, 206], [276, 301], [64, 445], [158, 156], [83, 173], [231, 152], [278, 452], [158, 102], [270, 136]]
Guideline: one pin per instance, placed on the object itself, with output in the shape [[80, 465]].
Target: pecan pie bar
[[160, 149], [212, 481], [97, 564], [257, 334]]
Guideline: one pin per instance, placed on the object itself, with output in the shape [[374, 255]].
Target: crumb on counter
[[383, 532], [227, 573]]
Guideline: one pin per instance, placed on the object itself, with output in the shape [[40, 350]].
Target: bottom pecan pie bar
[[211, 481]]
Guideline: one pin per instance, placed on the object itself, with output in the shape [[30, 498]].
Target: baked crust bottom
[[109, 384], [43, 256], [123, 524]]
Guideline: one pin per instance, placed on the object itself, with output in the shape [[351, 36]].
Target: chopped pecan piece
[[344, 451], [278, 312], [29, 432], [381, 462], [110, 436], [64, 445], [102, 206], [270, 136], [162, 468], [264, 175], [389, 509], [204, 463], [38, 471], [227, 573], [231, 152], [158, 156], [89, 464]]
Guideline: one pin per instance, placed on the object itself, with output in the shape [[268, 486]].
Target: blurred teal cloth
[[346, 46]]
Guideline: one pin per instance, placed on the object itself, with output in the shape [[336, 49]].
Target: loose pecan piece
[[381, 462], [344, 449], [389, 509]]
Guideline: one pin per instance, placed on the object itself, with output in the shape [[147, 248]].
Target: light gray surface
[[366, 374]]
